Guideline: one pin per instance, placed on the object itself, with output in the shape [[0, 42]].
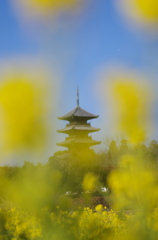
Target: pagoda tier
[[78, 130], [78, 143], [78, 114]]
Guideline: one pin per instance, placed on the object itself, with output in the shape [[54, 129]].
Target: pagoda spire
[[77, 97]]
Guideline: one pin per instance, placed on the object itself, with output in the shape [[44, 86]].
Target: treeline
[[61, 179]]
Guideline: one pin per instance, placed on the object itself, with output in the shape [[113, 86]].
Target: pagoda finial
[[77, 97]]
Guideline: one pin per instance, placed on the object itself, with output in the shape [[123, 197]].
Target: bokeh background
[[79, 43]]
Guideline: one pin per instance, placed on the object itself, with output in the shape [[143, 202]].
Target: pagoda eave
[[78, 113], [78, 128], [77, 117], [74, 142]]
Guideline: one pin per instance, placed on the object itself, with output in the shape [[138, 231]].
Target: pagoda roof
[[79, 128], [68, 142], [78, 112]]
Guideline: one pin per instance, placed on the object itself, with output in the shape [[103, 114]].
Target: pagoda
[[78, 129]]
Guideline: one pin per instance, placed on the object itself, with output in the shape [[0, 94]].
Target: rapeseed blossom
[[99, 208], [130, 104], [134, 184], [89, 182], [19, 223], [141, 12], [79, 225], [23, 107]]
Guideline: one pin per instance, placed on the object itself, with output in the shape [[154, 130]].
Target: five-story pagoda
[[78, 129]]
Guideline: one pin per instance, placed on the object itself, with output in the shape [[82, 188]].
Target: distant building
[[78, 129]]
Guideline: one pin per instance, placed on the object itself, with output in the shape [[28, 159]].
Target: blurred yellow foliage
[[148, 8], [23, 113], [134, 185], [19, 223], [89, 182], [131, 106], [142, 11], [46, 7], [99, 208], [97, 225]]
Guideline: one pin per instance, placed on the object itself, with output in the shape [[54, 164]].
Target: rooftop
[[78, 112]]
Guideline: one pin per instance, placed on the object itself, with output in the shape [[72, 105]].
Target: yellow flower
[[141, 11], [99, 208], [23, 113], [131, 105], [134, 185], [89, 182]]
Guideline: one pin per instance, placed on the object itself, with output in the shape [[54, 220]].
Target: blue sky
[[76, 48]]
